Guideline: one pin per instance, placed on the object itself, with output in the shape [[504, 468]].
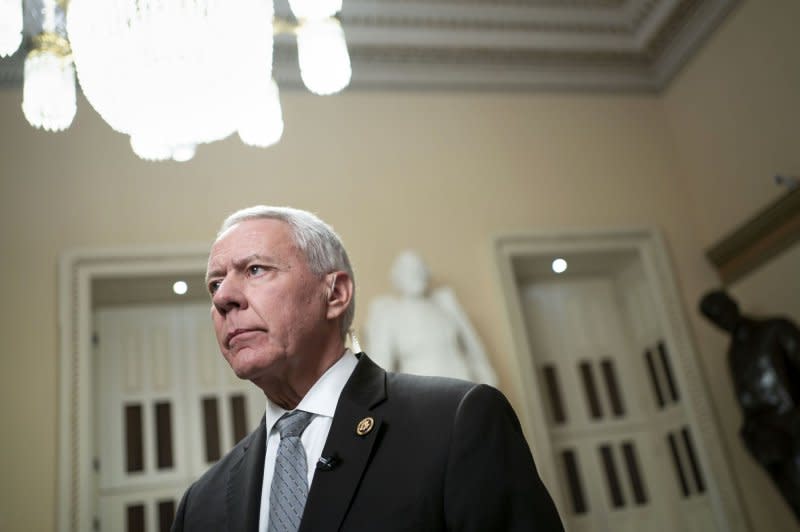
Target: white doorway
[[615, 408], [167, 407], [145, 401]]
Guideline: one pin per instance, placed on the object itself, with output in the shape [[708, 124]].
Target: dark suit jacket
[[442, 455]]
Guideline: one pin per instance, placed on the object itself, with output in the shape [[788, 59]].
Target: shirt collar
[[323, 396]]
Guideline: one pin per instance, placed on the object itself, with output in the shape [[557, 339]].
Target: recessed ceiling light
[[559, 265], [180, 287]]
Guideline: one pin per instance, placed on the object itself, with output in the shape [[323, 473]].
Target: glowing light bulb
[[183, 152], [262, 120], [48, 90], [10, 26], [315, 9], [559, 265], [180, 287], [169, 73], [323, 57]]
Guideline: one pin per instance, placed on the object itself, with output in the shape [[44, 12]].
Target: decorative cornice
[[627, 45], [677, 20]]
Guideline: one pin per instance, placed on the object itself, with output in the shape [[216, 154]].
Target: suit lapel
[[332, 491], [246, 476]]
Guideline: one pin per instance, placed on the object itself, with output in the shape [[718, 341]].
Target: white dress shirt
[[321, 401]]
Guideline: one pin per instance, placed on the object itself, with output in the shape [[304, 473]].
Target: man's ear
[[340, 294]]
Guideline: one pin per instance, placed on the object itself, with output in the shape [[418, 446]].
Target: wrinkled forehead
[[262, 237]]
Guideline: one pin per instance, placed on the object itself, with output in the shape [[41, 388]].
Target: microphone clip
[[327, 463]]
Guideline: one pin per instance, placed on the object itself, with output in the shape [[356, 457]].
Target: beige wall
[[735, 117], [441, 172]]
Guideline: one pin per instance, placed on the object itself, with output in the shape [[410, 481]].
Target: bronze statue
[[764, 359]]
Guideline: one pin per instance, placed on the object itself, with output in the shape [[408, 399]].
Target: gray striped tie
[[287, 496]]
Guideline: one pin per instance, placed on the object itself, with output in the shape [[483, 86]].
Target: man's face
[[268, 307]]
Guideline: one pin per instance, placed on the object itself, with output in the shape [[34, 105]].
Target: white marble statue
[[424, 333]]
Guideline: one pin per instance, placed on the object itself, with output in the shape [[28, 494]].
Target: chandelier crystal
[[263, 125], [314, 9], [322, 55], [48, 89], [152, 151], [170, 74], [10, 26]]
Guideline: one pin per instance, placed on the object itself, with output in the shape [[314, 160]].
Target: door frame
[[77, 269], [651, 249]]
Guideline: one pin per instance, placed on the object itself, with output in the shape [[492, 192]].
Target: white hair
[[317, 240]]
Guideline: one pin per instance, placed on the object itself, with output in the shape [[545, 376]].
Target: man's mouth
[[237, 333]]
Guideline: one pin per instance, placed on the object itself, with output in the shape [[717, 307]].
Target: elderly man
[[345, 445]]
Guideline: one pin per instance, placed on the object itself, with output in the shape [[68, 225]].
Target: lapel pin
[[364, 426]]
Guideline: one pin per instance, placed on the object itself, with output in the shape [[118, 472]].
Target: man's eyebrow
[[239, 264], [212, 273]]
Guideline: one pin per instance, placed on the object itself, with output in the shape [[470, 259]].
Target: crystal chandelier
[[175, 74], [10, 26]]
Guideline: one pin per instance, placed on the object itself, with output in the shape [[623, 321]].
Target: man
[[345, 445]]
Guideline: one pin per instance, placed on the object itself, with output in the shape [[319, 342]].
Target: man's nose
[[228, 296]]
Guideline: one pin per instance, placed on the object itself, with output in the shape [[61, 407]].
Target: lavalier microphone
[[327, 463]]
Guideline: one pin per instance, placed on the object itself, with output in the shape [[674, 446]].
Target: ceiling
[[605, 45]]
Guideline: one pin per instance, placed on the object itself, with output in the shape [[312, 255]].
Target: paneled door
[[623, 448], [167, 407]]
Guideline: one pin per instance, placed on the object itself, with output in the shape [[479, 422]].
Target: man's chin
[[248, 365], [247, 372]]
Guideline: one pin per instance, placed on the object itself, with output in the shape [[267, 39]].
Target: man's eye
[[213, 286], [256, 269]]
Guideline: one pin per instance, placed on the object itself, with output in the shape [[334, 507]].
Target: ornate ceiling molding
[[609, 45]]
